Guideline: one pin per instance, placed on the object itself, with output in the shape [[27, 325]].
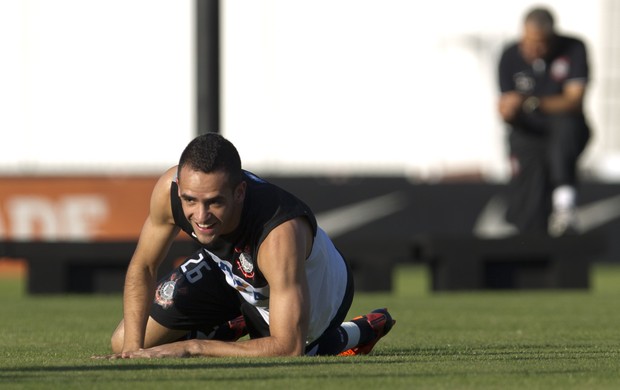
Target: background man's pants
[[542, 161]]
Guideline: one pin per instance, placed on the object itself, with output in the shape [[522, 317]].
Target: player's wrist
[[194, 347], [531, 104], [132, 346]]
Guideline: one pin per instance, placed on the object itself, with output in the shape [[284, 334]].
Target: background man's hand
[[509, 105]]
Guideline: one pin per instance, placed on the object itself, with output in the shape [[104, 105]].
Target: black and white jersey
[[265, 207]]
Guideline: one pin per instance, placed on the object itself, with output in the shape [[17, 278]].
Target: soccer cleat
[[381, 323], [231, 330], [238, 327]]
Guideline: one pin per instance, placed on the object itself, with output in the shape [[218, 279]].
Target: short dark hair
[[542, 18], [210, 152]]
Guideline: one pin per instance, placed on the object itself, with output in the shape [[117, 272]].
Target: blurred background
[[400, 88], [340, 101]]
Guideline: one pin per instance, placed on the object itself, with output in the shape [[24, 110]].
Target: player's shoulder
[[160, 197], [170, 173], [166, 179], [260, 188], [162, 186], [254, 178]]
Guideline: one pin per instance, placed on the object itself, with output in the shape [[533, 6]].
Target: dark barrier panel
[[516, 262], [100, 267], [376, 244], [371, 219], [82, 267]]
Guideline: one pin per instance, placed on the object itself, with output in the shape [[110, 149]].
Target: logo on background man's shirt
[[560, 68], [524, 83]]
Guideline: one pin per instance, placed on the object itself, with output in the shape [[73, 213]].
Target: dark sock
[[332, 342], [367, 334]]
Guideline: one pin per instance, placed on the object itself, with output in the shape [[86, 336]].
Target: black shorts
[[195, 296]]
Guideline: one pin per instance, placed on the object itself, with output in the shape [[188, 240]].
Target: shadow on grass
[[512, 352], [197, 364], [404, 356], [399, 366]]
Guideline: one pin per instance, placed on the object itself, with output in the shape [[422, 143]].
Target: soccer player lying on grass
[[264, 268]]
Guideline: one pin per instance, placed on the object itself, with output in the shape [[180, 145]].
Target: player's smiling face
[[210, 203]]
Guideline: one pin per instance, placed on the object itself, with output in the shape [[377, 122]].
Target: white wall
[[309, 86], [396, 86], [94, 86]]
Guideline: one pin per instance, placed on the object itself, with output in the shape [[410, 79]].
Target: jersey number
[[195, 274]]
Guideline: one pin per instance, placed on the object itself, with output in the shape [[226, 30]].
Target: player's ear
[[176, 180], [240, 192]]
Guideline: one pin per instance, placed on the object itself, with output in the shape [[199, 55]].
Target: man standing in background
[[543, 80]]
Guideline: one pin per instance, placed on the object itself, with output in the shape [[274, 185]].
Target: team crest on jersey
[[244, 262], [166, 291], [560, 69]]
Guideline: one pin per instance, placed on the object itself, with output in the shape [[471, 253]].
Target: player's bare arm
[[281, 258], [154, 242]]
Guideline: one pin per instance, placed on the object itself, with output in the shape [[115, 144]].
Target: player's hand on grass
[[178, 349], [123, 355]]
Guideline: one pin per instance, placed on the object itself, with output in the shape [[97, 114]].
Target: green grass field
[[541, 339]]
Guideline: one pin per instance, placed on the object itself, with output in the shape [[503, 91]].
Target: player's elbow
[[292, 352], [298, 350], [290, 348]]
